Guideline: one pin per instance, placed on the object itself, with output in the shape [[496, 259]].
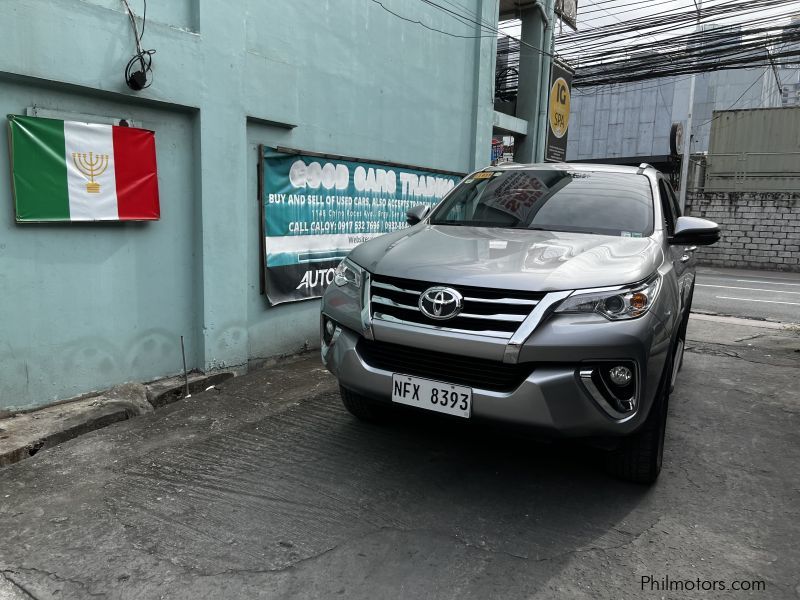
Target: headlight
[[624, 303], [348, 273]]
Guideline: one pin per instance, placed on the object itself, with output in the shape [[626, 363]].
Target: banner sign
[[558, 114], [315, 210], [71, 171]]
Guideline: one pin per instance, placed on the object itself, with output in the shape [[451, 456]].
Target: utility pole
[[687, 134]]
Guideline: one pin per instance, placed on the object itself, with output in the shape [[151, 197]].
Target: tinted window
[[674, 198], [668, 207], [554, 200]]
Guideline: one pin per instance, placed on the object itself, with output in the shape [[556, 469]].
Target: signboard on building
[[558, 113], [568, 11], [316, 209]]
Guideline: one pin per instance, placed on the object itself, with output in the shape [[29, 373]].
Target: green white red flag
[[71, 171]]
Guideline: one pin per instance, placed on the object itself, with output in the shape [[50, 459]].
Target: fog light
[[620, 375], [328, 329]]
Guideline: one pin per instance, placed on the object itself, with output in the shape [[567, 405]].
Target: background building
[[633, 120]]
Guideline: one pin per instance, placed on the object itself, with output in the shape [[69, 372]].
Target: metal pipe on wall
[[548, 44]]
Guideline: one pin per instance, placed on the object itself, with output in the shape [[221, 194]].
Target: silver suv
[[551, 296]]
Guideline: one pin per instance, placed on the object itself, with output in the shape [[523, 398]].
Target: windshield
[[618, 204]]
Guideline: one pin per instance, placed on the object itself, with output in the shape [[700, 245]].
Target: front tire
[[363, 408], [639, 456]]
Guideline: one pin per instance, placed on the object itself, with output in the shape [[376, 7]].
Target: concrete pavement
[[267, 488]]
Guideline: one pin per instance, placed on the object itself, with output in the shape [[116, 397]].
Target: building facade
[[633, 120], [87, 306]]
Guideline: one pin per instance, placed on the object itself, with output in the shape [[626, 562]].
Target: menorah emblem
[[92, 166]]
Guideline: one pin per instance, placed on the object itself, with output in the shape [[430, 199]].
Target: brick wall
[[759, 230]]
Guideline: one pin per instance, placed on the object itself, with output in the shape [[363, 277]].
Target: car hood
[[509, 258]]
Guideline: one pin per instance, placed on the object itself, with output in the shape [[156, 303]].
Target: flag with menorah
[[70, 171]]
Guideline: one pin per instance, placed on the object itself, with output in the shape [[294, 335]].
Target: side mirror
[[691, 231], [417, 213]]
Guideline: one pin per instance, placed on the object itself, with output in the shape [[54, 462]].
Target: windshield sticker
[[482, 175], [517, 194], [630, 234]]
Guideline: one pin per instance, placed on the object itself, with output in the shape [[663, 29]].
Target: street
[[746, 293], [266, 488]]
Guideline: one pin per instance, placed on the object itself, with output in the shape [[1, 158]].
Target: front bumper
[[553, 397]]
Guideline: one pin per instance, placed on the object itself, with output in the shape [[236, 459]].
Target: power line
[[672, 81], [464, 19], [418, 22], [493, 29], [669, 22], [733, 34], [695, 51], [637, 7]]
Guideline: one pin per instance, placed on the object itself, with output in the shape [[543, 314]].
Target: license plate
[[432, 395]]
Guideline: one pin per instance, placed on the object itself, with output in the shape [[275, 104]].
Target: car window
[[674, 198], [668, 206], [553, 200]]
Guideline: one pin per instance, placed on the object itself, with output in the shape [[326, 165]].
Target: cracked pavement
[[267, 488]]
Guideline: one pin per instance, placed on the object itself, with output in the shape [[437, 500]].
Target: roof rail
[[642, 167]]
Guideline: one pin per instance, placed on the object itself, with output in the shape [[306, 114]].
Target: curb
[[24, 434], [162, 392]]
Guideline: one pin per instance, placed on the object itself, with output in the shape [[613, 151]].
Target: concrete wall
[[754, 150], [759, 230], [88, 306]]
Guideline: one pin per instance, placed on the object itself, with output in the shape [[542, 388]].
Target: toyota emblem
[[441, 303]]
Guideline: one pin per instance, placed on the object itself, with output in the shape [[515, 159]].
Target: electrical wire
[[622, 33], [144, 58], [494, 32], [678, 41], [613, 53], [491, 28], [419, 22]]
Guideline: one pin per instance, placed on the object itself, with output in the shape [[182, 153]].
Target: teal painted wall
[[84, 307]]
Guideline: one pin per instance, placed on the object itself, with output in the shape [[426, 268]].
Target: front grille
[[451, 368], [491, 312]]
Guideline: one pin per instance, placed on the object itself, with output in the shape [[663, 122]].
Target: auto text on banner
[[318, 209]]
